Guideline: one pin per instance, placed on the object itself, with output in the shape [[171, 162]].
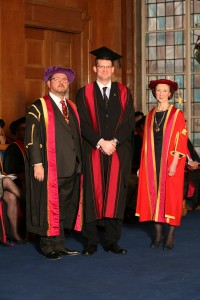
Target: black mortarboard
[[106, 53]]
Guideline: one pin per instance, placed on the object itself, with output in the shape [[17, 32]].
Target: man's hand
[[108, 147], [193, 164], [39, 172]]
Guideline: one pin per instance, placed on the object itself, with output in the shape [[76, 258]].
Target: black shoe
[[89, 250], [115, 249], [21, 241], [168, 246], [6, 244], [53, 255], [69, 252], [156, 244]]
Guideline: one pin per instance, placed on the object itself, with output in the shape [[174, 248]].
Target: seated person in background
[[192, 177], [2, 134], [131, 197], [9, 195], [13, 162], [138, 115]]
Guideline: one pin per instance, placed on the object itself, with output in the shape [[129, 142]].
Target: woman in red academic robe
[[161, 173]]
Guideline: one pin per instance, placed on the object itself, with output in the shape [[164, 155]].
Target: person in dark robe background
[[107, 126], [9, 213], [192, 177], [53, 164], [131, 197], [13, 163]]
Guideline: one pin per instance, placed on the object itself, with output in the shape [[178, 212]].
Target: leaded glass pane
[[196, 81], [170, 38], [178, 7], [196, 130], [179, 51], [196, 6], [150, 1], [160, 38], [196, 19], [169, 9], [152, 10], [169, 22], [152, 24], [161, 52], [152, 53], [152, 66], [152, 39], [178, 22], [179, 37], [160, 23], [178, 65], [197, 95], [161, 9], [195, 13], [161, 66], [169, 52]]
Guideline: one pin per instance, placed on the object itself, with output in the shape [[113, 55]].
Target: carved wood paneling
[[11, 61], [51, 16], [48, 32]]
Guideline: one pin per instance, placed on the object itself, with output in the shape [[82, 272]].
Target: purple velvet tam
[[53, 70]]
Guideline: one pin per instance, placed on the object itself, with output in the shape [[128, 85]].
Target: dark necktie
[[65, 111], [105, 96]]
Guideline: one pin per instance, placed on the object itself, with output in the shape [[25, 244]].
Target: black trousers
[[112, 232], [68, 188]]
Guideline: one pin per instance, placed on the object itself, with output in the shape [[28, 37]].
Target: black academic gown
[[193, 177], [107, 122], [68, 160]]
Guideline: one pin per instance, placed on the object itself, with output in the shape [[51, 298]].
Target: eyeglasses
[[60, 79], [104, 67]]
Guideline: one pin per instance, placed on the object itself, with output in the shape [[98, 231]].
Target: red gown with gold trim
[[160, 196]]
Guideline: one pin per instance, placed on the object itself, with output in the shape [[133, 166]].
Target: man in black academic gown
[[53, 164], [107, 122]]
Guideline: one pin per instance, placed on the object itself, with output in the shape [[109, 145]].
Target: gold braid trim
[[32, 131]]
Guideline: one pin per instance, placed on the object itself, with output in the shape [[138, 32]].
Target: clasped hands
[[107, 147]]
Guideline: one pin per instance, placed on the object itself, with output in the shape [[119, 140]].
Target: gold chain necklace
[[157, 126]]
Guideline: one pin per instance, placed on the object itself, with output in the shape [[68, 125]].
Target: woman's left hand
[[172, 170]]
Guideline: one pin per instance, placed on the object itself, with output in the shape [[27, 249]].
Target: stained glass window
[[171, 54]]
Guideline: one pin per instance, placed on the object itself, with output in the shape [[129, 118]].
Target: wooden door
[[44, 48]]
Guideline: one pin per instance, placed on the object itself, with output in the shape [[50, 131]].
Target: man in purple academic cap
[[53, 164]]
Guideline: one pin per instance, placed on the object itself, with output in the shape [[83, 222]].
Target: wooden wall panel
[[45, 48], [37, 51], [48, 32], [62, 51], [51, 16], [106, 28], [12, 60]]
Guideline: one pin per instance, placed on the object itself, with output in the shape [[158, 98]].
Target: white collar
[[108, 85], [55, 98]]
